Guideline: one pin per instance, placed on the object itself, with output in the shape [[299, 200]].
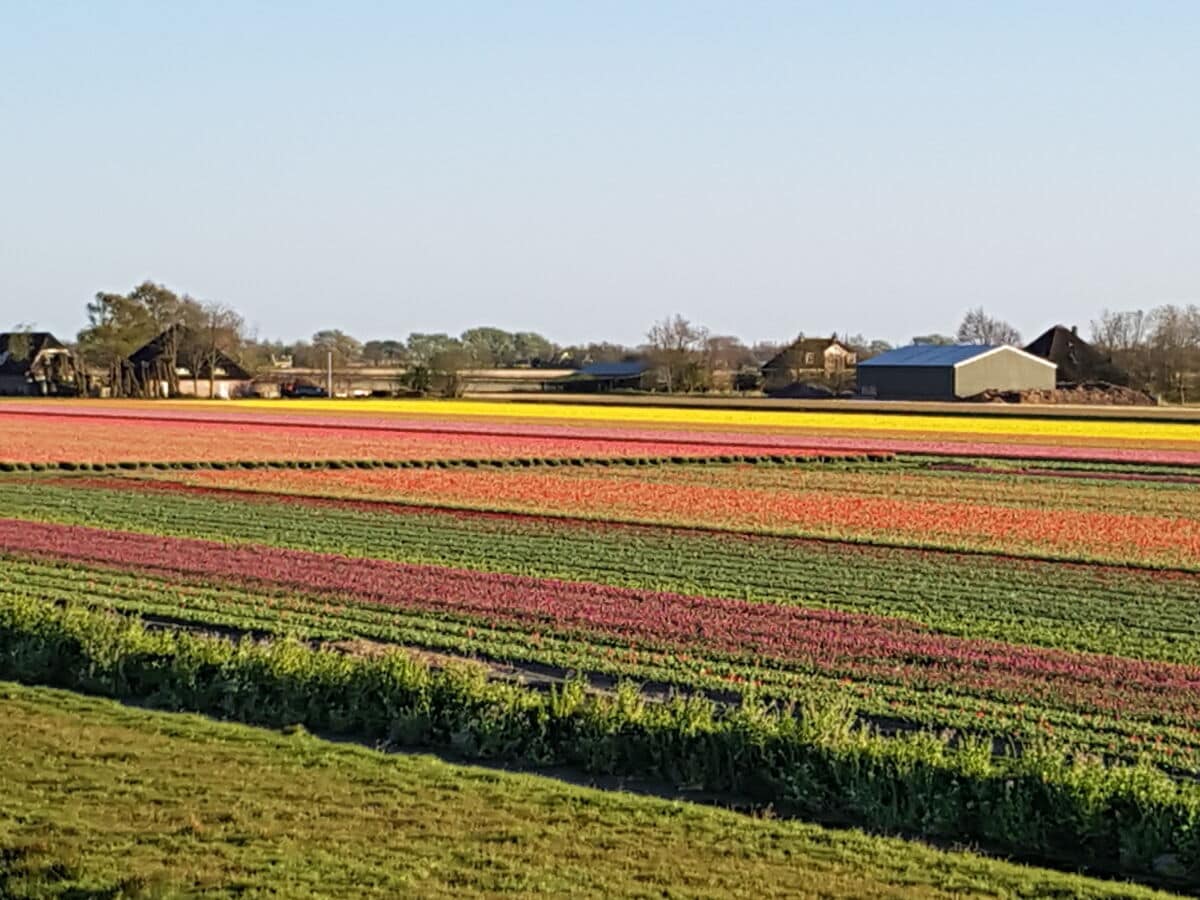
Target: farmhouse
[[177, 363], [808, 358], [923, 372], [36, 363], [1077, 360]]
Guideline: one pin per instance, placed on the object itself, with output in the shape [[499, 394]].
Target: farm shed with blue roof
[[603, 377], [925, 372]]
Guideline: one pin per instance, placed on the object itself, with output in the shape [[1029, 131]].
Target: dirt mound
[[1090, 393]]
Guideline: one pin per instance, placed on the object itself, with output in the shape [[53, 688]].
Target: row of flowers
[[178, 429], [1104, 608], [88, 439], [856, 646], [1054, 530]]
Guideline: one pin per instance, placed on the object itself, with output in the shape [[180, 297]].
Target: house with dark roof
[[37, 364], [808, 359], [1077, 360], [178, 362], [927, 372]]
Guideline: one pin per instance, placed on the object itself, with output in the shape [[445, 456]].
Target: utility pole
[[329, 373]]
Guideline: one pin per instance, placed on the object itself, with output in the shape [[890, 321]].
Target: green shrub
[[812, 760]]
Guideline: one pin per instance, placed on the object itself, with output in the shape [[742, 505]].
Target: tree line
[[194, 334], [1159, 348]]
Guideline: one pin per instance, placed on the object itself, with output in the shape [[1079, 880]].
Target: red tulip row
[[854, 646]]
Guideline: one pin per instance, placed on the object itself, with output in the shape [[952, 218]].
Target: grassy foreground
[[104, 800]]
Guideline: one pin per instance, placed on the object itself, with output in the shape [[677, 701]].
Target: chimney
[[1074, 331]]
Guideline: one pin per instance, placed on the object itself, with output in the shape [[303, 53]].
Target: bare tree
[[726, 352], [1160, 349], [211, 332], [979, 328], [222, 338], [1175, 347], [932, 340], [728, 364], [765, 351], [1120, 332], [676, 345]]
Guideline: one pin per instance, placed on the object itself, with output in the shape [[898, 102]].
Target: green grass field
[[102, 800]]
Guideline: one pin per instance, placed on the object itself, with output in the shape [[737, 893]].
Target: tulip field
[[1154, 523], [969, 588], [40, 438], [391, 429]]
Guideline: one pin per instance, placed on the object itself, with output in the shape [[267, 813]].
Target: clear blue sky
[[581, 169]]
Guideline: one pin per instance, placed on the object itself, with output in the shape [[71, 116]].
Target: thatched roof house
[[36, 363], [177, 362], [1077, 360]]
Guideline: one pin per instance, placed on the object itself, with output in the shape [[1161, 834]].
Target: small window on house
[[809, 358]]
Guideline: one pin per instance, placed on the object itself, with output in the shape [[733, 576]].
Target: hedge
[[809, 761]]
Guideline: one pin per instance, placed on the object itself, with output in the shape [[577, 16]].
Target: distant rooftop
[[614, 369], [928, 355], [18, 349], [30, 342]]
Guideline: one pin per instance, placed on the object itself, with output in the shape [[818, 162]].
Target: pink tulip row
[[40, 438], [848, 645]]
